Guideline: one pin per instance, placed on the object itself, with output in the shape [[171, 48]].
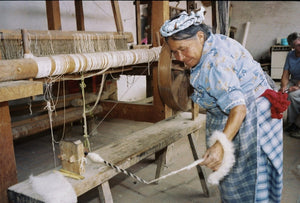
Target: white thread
[[94, 61], [213, 178], [96, 158], [44, 66]]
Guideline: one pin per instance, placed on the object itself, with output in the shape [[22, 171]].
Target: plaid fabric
[[240, 184], [270, 159]]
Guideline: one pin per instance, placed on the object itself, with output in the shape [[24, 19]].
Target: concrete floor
[[35, 155]]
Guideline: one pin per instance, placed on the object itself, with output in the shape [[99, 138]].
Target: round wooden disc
[[173, 82]]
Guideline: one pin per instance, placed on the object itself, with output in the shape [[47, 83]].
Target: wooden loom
[[33, 68]]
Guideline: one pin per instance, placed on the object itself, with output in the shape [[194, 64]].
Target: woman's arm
[[214, 155], [284, 80]]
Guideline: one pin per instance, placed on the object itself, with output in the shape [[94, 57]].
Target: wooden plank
[[53, 15], [8, 171], [12, 90], [126, 152], [117, 15], [79, 15], [136, 112]]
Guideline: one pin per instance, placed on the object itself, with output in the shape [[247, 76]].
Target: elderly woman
[[228, 83], [292, 68]]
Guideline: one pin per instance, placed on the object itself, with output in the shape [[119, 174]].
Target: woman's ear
[[200, 36]]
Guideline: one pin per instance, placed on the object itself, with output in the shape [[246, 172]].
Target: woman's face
[[296, 45], [189, 51]]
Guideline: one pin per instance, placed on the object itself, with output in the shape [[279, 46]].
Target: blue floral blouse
[[225, 72]]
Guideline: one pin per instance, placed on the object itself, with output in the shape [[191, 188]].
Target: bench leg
[[199, 169], [105, 193], [161, 159]]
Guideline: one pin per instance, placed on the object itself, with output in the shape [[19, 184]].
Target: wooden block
[[72, 154], [12, 90]]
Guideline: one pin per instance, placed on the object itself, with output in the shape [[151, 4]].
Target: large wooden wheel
[[173, 82]]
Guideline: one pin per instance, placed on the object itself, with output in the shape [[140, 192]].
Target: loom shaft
[[40, 67]]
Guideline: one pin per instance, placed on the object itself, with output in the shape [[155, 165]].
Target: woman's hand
[[294, 88], [213, 156]]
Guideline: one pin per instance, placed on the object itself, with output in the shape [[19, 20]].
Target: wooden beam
[[40, 123], [8, 172], [53, 15], [117, 15], [13, 90], [159, 18], [17, 69], [79, 15]]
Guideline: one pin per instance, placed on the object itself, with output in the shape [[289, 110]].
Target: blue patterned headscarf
[[184, 21]]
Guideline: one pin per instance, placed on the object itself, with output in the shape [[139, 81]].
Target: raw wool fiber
[[228, 157], [53, 188]]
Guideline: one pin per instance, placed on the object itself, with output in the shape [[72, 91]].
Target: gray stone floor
[[34, 156]]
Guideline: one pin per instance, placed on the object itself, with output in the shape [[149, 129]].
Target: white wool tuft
[[53, 188], [95, 157], [228, 159]]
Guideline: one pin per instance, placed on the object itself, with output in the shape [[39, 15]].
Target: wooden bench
[[125, 153]]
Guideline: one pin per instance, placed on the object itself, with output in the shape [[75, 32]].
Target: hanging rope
[[85, 135], [50, 108], [99, 94]]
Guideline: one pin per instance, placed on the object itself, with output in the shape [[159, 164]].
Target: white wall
[[268, 20], [98, 15]]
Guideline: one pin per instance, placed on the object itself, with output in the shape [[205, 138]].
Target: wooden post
[[79, 15], [159, 18], [214, 16], [191, 6], [195, 110], [26, 47], [8, 172], [138, 21], [117, 16], [201, 174], [53, 15], [105, 193]]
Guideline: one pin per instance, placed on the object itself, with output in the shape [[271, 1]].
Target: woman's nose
[[179, 56]]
